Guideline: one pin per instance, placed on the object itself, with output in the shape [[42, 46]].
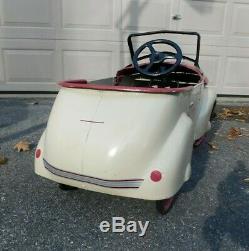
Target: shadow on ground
[[10, 112], [231, 218]]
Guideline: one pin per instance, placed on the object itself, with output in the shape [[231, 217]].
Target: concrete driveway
[[211, 212]]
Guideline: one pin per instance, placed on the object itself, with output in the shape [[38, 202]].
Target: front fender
[[204, 112]]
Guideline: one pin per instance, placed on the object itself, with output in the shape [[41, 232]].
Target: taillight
[[156, 176], [38, 153]]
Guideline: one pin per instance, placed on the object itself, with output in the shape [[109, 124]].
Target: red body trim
[[124, 88], [83, 84]]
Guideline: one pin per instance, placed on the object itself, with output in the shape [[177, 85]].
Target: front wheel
[[164, 206]]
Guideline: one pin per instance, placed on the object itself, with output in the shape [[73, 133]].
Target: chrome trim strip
[[130, 183]]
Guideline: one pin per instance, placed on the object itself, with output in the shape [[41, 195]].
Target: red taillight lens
[[156, 176], [38, 153]]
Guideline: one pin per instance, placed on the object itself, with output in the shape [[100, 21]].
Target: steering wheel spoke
[[152, 58], [151, 48]]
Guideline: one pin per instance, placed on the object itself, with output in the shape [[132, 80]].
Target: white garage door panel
[[239, 32], [89, 60], [210, 18], [87, 64], [205, 16], [220, 22], [28, 19], [84, 20], [83, 14], [240, 14], [39, 14], [29, 66], [211, 66], [152, 14], [210, 62], [237, 72]]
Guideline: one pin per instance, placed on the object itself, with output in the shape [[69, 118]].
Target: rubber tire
[[164, 206], [66, 187], [200, 141]]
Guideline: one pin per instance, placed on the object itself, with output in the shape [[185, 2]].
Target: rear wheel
[[213, 113], [164, 206], [199, 141], [66, 187]]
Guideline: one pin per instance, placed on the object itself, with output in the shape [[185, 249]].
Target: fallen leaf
[[234, 133], [223, 114], [3, 160], [22, 146], [213, 146], [240, 113]]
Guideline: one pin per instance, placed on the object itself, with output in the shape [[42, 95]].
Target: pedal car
[[131, 135]]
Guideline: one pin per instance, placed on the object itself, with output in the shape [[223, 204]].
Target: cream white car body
[[110, 141], [109, 138]]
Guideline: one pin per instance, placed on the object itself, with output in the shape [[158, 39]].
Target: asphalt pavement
[[210, 213]]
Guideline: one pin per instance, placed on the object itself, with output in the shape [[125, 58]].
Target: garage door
[[44, 41]]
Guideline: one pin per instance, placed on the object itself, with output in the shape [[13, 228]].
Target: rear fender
[[39, 161], [174, 159]]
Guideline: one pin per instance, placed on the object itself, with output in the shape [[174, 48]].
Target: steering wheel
[[156, 66]]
